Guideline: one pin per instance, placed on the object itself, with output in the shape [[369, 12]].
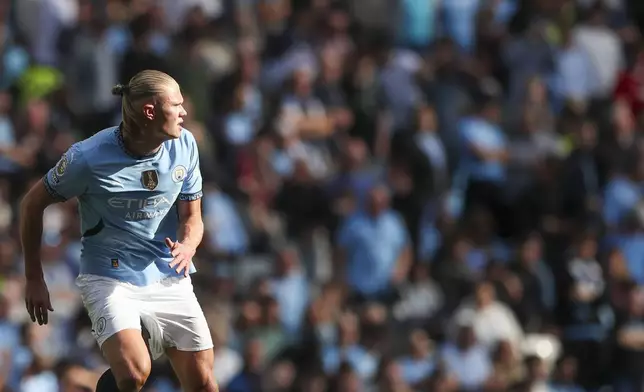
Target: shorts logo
[[101, 323], [115, 263], [150, 179], [179, 173]]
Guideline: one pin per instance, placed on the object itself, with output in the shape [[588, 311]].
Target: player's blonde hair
[[147, 84]]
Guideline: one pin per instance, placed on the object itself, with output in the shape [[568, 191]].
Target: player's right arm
[[66, 180]]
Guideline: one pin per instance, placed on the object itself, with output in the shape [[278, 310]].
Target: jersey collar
[[121, 143]]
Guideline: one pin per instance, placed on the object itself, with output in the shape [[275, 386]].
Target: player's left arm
[[190, 223], [189, 235], [191, 226]]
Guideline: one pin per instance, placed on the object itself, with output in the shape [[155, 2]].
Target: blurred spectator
[[491, 320], [604, 48], [290, 289], [421, 299], [574, 73], [629, 343], [420, 365], [587, 318], [374, 249], [348, 349], [538, 287], [466, 359]]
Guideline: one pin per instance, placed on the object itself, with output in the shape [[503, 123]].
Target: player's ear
[[148, 111]]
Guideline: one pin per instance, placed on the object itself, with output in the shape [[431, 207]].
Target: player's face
[[170, 113]]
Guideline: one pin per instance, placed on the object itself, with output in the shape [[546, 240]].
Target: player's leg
[[194, 369], [129, 361], [116, 326], [107, 382], [187, 334]]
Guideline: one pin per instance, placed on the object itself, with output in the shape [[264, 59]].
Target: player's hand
[[37, 300], [182, 254]]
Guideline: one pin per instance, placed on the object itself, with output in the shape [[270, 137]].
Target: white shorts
[[168, 309]]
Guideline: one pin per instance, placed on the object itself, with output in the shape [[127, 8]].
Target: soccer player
[[139, 191]]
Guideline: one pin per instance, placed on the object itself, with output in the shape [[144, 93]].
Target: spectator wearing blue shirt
[[239, 126], [374, 252], [483, 163], [429, 142], [354, 179], [11, 355], [226, 233], [249, 379], [574, 77], [623, 193], [14, 59], [420, 365], [349, 350], [417, 29], [290, 289], [466, 360], [459, 21], [10, 152], [629, 242]]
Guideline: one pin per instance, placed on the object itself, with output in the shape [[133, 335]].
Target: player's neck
[[137, 144]]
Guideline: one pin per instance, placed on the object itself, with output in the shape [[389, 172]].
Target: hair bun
[[120, 89]]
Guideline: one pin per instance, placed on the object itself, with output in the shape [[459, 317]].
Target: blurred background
[[400, 195]]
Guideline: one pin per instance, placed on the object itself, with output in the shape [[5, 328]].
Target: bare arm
[[384, 125], [315, 126], [403, 265], [31, 227], [190, 223]]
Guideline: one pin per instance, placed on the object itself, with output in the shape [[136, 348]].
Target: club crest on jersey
[[150, 179], [179, 173]]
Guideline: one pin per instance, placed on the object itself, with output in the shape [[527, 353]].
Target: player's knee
[[132, 383], [208, 386], [108, 383], [205, 382], [135, 377], [212, 387]]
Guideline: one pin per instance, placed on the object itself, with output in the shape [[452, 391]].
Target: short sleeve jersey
[[127, 204]]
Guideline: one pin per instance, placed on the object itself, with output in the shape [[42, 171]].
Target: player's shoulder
[[101, 139], [80, 151]]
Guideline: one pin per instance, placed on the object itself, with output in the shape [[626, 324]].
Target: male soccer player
[[139, 191]]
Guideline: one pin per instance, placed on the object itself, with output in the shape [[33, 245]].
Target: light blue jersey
[[127, 204]]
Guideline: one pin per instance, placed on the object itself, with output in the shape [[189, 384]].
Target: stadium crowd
[[409, 195]]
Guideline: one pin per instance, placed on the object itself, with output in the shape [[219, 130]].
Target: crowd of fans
[[410, 195]]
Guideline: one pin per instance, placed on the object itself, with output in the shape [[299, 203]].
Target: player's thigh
[[180, 316], [185, 329], [116, 325], [194, 369], [127, 355]]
